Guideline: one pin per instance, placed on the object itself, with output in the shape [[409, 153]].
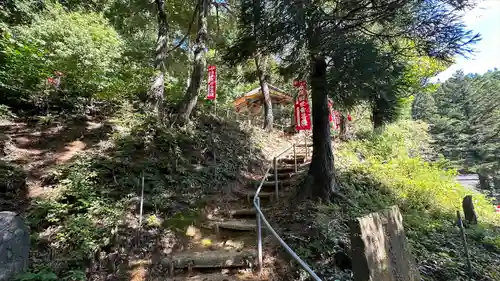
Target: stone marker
[[379, 249], [468, 207], [14, 245]]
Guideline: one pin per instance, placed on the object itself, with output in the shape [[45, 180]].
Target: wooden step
[[249, 194], [209, 277], [309, 144], [290, 160], [270, 183], [233, 224], [282, 169], [209, 259], [241, 212], [282, 176]]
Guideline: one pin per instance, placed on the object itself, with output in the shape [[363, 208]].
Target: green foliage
[[85, 218], [44, 275], [12, 182], [465, 120], [97, 194], [6, 113], [387, 169], [423, 107], [394, 158], [83, 46]]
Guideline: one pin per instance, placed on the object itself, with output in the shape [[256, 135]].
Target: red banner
[[302, 110], [212, 82]]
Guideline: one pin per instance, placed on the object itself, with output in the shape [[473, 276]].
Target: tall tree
[[423, 107], [466, 126], [251, 44], [156, 92], [188, 103], [260, 65], [323, 32]]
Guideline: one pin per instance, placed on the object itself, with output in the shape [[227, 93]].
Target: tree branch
[[188, 31]]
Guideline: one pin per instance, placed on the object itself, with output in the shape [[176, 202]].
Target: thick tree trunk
[[321, 181], [377, 117], [156, 92], [260, 63], [186, 106]]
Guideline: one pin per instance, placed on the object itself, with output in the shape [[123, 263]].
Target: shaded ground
[[38, 149], [91, 224]]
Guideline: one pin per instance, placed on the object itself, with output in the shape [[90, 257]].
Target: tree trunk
[[343, 127], [377, 117], [260, 63], [156, 92], [321, 181], [187, 105], [483, 182]]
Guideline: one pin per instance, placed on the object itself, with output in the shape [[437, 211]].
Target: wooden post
[[305, 143], [464, 241], [275, 166], [141, 206], [294, 159]]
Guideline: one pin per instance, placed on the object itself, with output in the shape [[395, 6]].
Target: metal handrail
[[262, 219]]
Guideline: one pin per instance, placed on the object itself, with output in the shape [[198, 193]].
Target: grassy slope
[[93, 214], [388, 169]]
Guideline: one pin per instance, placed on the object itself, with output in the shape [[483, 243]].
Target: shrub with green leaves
[[387, 169], [83, 46]]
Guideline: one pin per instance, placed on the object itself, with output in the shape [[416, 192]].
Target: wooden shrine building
[[252, 101]]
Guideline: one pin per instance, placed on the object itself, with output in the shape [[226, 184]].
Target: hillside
[[101, 185], [138, 139], [83, 186], [382, 170]]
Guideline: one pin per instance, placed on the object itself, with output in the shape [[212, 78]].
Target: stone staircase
[[224, 247]]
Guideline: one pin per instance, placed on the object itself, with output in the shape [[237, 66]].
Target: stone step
[[209, 259]]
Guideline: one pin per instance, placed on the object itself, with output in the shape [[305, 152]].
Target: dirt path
[[39, 149]]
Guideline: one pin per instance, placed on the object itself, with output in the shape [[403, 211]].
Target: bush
[[394, 158], [83, 46]]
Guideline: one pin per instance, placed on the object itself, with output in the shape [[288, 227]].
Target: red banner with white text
[[302, 110], [212, 82]]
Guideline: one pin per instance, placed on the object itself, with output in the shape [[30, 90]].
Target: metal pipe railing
[[262, 219]]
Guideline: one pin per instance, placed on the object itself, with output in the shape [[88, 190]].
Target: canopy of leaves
[[363, 43]]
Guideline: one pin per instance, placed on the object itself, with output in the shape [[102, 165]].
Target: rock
[[469, 212], [14, 245], [380, 250]]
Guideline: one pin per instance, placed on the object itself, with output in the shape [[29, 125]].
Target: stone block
[[14, 245], [379, 249]]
